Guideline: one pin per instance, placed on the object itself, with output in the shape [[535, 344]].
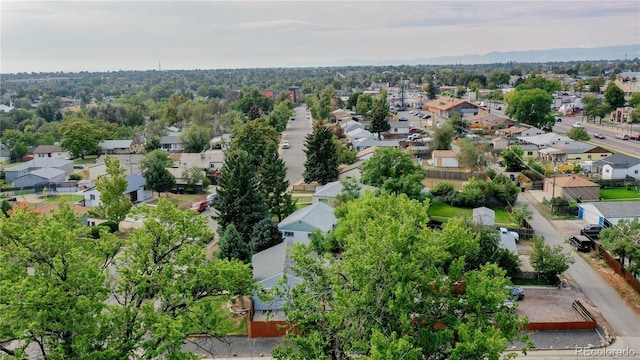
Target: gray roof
[[545, 139], [40, 162], [618, 209], [269, 262], [135, 182], [372, 142], [334, 189], [165, 140], [115, 144], [578, 147], [484, 216], [399, 124], [618, 161], [317, 216], [45, 173]]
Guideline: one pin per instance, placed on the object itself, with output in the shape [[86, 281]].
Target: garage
[[609, 213]]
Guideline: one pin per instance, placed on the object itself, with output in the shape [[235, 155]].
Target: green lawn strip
[[218, 317], [442, 212], [619, 193], [89, 159], [63, 198]]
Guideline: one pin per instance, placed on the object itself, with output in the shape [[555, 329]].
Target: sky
[[71, 36]]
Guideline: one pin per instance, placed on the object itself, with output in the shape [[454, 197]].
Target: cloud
[[280, 25]]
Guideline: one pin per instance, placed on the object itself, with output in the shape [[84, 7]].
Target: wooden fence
[[447, 174], [618, 268]]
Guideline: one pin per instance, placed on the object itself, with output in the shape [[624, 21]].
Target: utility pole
[[553, 189]]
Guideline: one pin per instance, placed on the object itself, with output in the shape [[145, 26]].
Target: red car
[[413, 130], [200, 206]]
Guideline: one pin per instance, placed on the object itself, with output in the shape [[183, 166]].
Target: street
[[630, 147], [295, 134]]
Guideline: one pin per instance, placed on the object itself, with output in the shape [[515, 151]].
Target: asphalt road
[[295, 133], [630, 147]]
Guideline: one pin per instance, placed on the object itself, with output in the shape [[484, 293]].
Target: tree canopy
[[79, 137], [531, 107], [379, 114], [321, 164], [114, 203], [393, 171]]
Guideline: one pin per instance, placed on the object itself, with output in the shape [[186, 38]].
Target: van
[[473, 137], [581, 243]]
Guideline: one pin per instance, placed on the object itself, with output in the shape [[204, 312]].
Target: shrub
[[95, 231], [75, 176], [112, 225]]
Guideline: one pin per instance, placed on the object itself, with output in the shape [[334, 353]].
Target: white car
[[515, 235], [285, 145], [577, 125]]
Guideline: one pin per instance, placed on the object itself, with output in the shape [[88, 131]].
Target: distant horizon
[[77, 36]]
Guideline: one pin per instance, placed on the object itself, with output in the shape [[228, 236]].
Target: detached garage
[[44, 175], [572, 188], [609, 213]]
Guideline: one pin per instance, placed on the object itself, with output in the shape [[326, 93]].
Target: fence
[[305, 186], [618, 268], [447, 174], [604, 183]]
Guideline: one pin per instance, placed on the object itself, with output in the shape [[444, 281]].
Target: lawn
[[89, 159], [221, 319], [441, 212], [53, 199], [182, 201], [620, 193]]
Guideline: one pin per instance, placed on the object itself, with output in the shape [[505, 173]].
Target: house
[[38, 163], [351, 125], [219, 142], [617, 166], [571, 188], [607, 213], [578, 152], [367, 143], [172, 143], [359, 133], [351, 171], [5, 153], [118, 147], [366, 154], [488, 122], [399, 127], [545, 140], [297, 227], [136, 189], [447, 106], [522, 130], [50, 151], [628, 82], [499, 143], [327, 193], [40, 176], [444, 158]]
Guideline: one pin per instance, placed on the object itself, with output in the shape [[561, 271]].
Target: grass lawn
[[62, 198], [221, 318], [441, 211], [620, 193], [182, 201], [89, 159]]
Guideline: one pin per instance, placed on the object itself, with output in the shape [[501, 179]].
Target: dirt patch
[[550, 304]]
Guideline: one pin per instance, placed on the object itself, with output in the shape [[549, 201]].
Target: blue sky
[[135, 35]]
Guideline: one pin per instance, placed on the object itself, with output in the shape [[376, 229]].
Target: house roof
[[448, 103], [45, 173], [171, 139], [618, 209], [372, 142], [544, 139], [40, 162], [317, 216], [115, 144], [618, 161], [515, 130], [355, 165], [399, 124], [366, 151], [572, 182], [334, 189], [350, 123], [269, 262], [359, 131], [201, 160], [444, 153], [135, 182], [47, 149]]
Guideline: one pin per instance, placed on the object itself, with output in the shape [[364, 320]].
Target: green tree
[[634, 100], [396, 265], [430, 89], [531, 107], [194, 175], [513, 158], [364, 104], [253, 100], [265, 235], [232, 246], [279, 117], [321, 164], [594, 107], [152, 144], [114, 203], [549, 261], [622, 240], [155, 157], [257, 138], [521, 213], [596, 83], [196, 138], [159, 179], [274, 185], [441, 137], [614, 96], [5, 207], [500, 78], [379, 115], [79, 137], [472, 155], [241, 201], [345, 154], [578, 134], [353, 100], [393, 171], [19, 151]]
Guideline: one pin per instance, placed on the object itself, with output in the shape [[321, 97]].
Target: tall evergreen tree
[[265, 235], [232, 247], [159, 178], [379, 114], [274, 185], [241, 201], [322, 158]]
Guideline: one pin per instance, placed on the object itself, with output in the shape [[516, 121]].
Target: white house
[[544, 140], [607, 213], [617, 166], [50, 151], [367, 143], [399, 127], [135, 189], [351, 125], [38, 163], [297, 227], [359, 133], [331, 190], [172, 143], [118, 147], [444, 158]]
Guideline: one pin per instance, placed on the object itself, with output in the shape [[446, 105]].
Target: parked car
[[635, 137], [498, 107], [622, 136], [515, 235], [212, 198], [577, 125], [591, 231], [598, 136], [285, 145], [559, 119], [404, 118], [515, 292], [581, 243], [200, 205], [413, 130]]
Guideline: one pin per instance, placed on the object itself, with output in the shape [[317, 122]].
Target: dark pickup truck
[[591, 231]]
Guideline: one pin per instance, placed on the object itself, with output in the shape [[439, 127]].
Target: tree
[[548, 261], [79, 137], [353, 100], [279, 116], [430, 89], [241, 201], [594, 107], [442, 137], [257, 138], [196, 138], [5, 207], [500, 78], [19, 151], [152, 144], [253, 100], [321, 164], [472, 155], [413, 279], [578, 134], [379, 115], [393, 171], [513, 158], [320, 106], [634, 100], [521, 213], [194, 175], [233, 247], [159, 179], [531, 107], [274, 185], [345, 154], [114, 203], [614, 96], [364, 104], [265, 235], [155, 157], [623, 241]]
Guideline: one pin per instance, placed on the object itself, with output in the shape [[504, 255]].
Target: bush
[[75, 176], [491, 173], [112, 225], [95, 231]]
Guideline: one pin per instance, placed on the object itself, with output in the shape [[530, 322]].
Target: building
[[447, 106], [444, 158], [365, 143], [617, 167], [118, 147], [38, 163], [399, 127], [50, 151], [330, 191], [297, 227], [607, 213], [172, 143], [351, 171], [40, 176], [571, 188], [136, 189]]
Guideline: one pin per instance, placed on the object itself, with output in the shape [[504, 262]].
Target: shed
[[331, 190], [484, 216], [572, 188], [444, 158], [609, 212], [43, 175]]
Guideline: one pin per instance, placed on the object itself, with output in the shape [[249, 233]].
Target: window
[[577, 158], [92, 197], [589, 157], [529, 153], [288, 233], [606, 171], [635, 172]]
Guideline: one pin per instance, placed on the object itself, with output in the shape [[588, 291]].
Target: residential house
[[351, 171], [220, 142], [327, 193], [521, 130], [367, 143], [351, 125], [444, 158], [447, 106], [546, 140], [113, 147], [617, 166], [38, 163], [488, 122], [5, 153], [366, 154], [399, 127], [172, 143], [578, 152], [359, 133], [297, 227], [40, 176], [50, 151], [571, 188], [136, 190], [499, 143], [607, 213]]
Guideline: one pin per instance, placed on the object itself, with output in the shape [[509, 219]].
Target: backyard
[[620, 193], [442, 212]]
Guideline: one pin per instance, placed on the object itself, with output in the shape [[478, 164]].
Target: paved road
[[625, 322], [295, 133], [631, 147]]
